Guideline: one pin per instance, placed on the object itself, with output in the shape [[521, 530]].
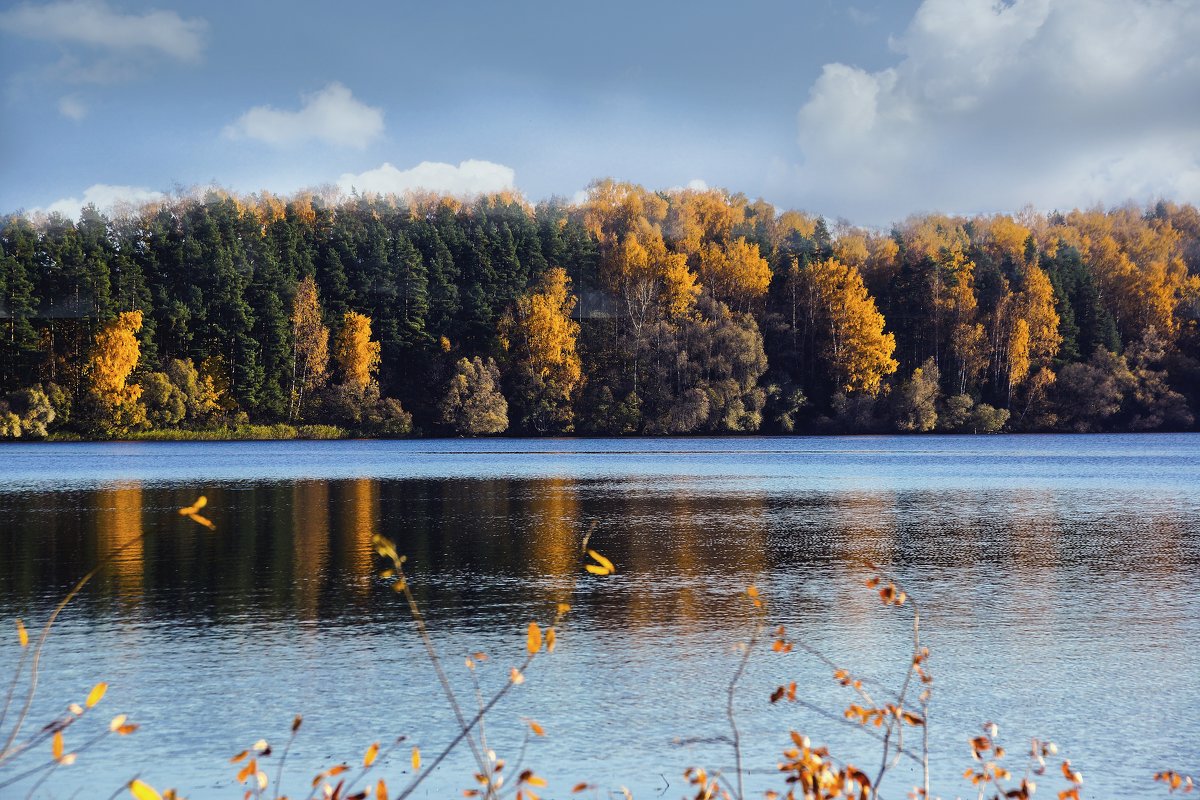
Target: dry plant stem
[[466, 726], [816, 709], [40, 781], [895, 722], [463, 733], [380, 759], [6, 751], [282, 759], [729, 711], [52, 764], [431, 651]]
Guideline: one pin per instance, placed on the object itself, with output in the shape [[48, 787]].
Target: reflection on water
[[1053, 577]]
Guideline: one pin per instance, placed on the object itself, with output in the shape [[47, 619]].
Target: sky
[[867, 111]]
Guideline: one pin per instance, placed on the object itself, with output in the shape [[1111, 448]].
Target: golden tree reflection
[[555, 532], [360, 523], [310, 521], [119, 523]]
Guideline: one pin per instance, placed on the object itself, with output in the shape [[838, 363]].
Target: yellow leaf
[[239, 757], [535, 780], [603, 562], [67, 760], [143, 791], [117, 722], [261, 746], [188, 511], [551, 638], [533, 639], [22, 634], [416, 758], [56, 747], [595, 570], [202, 520], [96, 694], [125, 730], [381, 790], [516, 677], [537, 729], [261, 777], [752, 591], [563, 608], [372, 752]]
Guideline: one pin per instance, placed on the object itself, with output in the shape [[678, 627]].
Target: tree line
[[630, 312]]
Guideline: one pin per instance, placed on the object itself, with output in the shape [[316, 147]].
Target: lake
[[1057, 577]]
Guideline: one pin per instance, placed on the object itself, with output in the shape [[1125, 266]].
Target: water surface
[[1057, 577]]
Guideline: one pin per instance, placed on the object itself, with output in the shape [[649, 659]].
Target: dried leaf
[[381, 790]]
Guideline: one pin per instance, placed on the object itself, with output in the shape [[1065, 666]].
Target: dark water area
[[1057, 576]]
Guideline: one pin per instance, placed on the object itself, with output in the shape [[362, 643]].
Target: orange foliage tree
[[115, 354], [541, 337], [859, 353], [354, 353]]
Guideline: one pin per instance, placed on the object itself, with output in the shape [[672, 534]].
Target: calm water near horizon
[[1058, 577]]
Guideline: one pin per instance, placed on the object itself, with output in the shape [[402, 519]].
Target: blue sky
[[868, 111]]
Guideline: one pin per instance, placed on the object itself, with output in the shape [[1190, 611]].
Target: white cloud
[[468, 178], [332, 115], [107, 198], [861, 17], [93, 23], [996, 104], [72, 108]]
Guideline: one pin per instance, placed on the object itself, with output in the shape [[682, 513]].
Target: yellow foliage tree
[[356, 356], [735, 273], [542, 339], [115, 354], [858, 350], [310, 344]]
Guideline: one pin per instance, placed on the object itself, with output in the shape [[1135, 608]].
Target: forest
[[633, 311]]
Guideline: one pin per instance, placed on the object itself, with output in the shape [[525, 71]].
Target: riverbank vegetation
[[630, 312]]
